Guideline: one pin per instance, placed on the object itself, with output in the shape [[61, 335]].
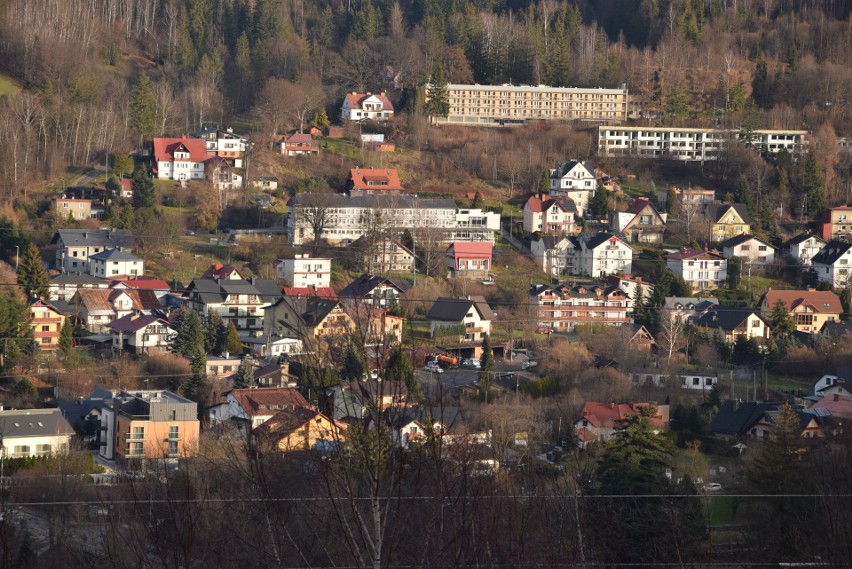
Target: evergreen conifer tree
[[32, 274], [233, 345]]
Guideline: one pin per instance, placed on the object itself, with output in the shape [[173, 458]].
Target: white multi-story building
[[562, 307], [366, 106], [343, 219], [34, 432], [690, 144], [600, 255], [703, 270], [74, 247], [179, 158], [752, 250], [802, 248], [304, 271], [507, 105], [833, 263], [576, 180], [223, 143], [113, 262]]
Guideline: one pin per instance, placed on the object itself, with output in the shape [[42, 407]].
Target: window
[[22, 450], [804, 319], [755, 323], [696, 381], [174, 432]]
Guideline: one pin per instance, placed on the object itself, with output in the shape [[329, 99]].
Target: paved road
[[87, 178]]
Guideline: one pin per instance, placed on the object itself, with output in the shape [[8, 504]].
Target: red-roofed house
[[222, 272], [179, 158], [810, 309], [641, 223], [300, 429], [360, 106], [159, 286], [260, 405], [469, 259], [363, 181], [554, 216], [599, 420], [299, 144], [306, 291], [836, 404]]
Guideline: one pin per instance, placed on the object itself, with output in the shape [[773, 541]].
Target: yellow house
[[728, 220], [300, 428], [46, 323], [810, 309]]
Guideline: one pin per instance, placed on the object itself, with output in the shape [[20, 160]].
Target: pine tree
[[486, 363], [32, 274], [215, 333], [354, 365], [233, 344], [144, 191], [477, 201], [781, 324], [143, 108], [544, 182], [600, 202], [438, 104], [812, 186], [244, 379], [189, 335], [66, 339], [320, 119], [671, 201]]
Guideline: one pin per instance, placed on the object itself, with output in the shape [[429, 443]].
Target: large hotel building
[[507, 105]]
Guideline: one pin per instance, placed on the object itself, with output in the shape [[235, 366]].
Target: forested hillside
[[84, 64]]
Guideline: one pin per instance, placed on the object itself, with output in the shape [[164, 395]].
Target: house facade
[[509, 105], [77, 209], [372, 290], [29, 433], [300, 429], [299, 144], [599, 421], [703, 270], [552, 254], [469, 260], [810, 309], [223, 143], [833, 262], [366, 106], [835, 223], [576, 180], [562, 307], [554, 216], [63, 287], [727, 221], [179, 158], [46, 323], [734, 322], [221, 174], [600, 255], [803, 248], [235, 300], [640, 223], [96, 308], [750, 249], [114, 262], [141, 334], [153, 424], [304, 271], [465, 319], [381, 254], [75, 246]]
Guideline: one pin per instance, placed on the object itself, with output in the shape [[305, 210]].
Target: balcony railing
[[134, 436]]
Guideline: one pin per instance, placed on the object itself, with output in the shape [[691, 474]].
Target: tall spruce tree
[[143, 109], [438, 104], [66, 340], [486, 371], [233, 344], [189, 334], [32, 274], [244, 379], [144, 191], [215, 333]]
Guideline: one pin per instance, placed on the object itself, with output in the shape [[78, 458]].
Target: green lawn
[[8, 86]]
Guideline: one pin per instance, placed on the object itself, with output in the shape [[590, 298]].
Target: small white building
[[468, 319], [803, 248], [575, 180], [703, 270], [551, 253], [366, 106], [750, 249], [34, 432], [832, 264], [113, 262], [304, 271]]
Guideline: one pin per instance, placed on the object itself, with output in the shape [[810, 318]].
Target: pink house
[[469, 259]]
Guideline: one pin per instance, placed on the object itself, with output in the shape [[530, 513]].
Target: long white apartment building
[[508, 105], [343, 219], [689, 144]]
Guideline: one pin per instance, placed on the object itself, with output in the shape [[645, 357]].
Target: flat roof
[[536, 88]]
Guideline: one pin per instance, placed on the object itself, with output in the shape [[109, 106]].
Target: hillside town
[[303, 318]]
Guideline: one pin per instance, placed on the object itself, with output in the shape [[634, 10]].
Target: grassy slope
[[8, 86]]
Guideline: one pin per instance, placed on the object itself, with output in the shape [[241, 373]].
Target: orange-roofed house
[[179, 158], [469, 259], [599, 420], [555, 216], [810, 309], [366, 106], [364, 181], [160, 287], [222, 272], [299, 144]]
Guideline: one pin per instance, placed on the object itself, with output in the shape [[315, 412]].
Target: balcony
[[134, 436]]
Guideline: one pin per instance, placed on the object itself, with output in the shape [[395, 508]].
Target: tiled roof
[[164, 149], [735, 418], [382, 178], [801, 238], [141, 283], [114, 255], [611, 415], [109, 238], [299, 138], [100, 299], [472, 249], [135, 322], [365, 284], [715, 212], [265, 401], [740, 239], [726, 318], [305, 291], [355, 100], [221, 271], [822, 301]]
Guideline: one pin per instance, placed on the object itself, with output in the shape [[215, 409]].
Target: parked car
[[528, 364], [544, 330], [433, 367], [471, 362], [713, 487]]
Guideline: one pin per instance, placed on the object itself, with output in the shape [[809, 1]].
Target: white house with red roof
[[220, 271], [469, 259], [159, 287], [702, 269], [552, 215], [366, 106], [599, 420], [640, 223], [179, 158]]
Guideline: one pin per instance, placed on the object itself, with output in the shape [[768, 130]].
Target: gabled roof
[[299, 138], [472, 249], [715, 212], [639, 204], [212, 291], [455, 309], [834, 329], [269, 400], [610, 415], [726, 318], [221, 271], [563, 168], [114, 255], [537, 204], [79, 279], [365, 284], [108, 238], [689, 254], [288, 421], [832, 251], [305, 291], [374, 179], [551, 241], [141, 283], [740, 239], [101, 299], [689, 303], [356, 99], [164, 149], [33, 423], [801, 238], [135, 322], [735, 418], [821, 301], [595, 241], [576, 291]]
